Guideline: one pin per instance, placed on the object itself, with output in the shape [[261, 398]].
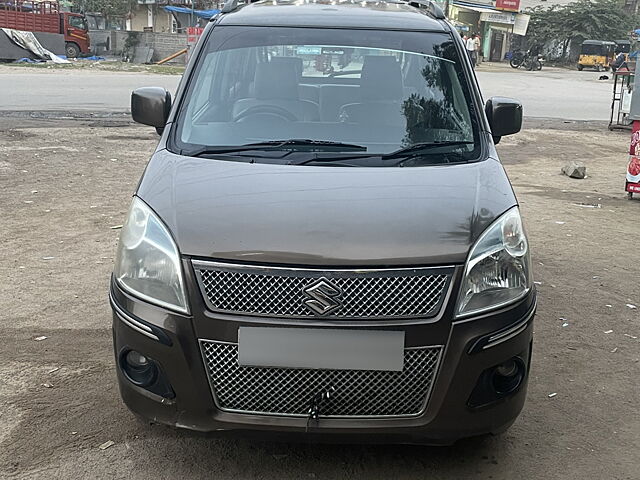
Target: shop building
[[495, 23]]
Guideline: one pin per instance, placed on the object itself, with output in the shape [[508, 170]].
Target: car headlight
[[498, 270], [148, 263]]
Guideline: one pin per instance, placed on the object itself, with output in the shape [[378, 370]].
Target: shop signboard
[[498, 17], [193, 35], [508, 5], [521, 24]]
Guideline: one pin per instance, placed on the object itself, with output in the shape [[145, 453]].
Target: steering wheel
[[273, 110]]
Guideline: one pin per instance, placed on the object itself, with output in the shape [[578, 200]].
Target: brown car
[[324, 243]]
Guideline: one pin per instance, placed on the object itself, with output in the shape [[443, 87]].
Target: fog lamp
[[508, 376], [139, 369]]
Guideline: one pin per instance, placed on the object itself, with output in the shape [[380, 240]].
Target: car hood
[[325, 215]]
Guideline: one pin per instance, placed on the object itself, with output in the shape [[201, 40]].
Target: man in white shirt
[[471, 46]]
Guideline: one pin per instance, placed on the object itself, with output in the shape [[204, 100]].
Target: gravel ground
[[65, 184]]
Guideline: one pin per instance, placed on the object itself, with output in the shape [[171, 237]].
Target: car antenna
[[229, 6], [433, 8]]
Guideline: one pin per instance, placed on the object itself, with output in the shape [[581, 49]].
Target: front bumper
[[471, 346]]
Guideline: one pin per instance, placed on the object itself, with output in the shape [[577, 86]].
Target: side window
[[224, 77], [232, 81], [205, 81], [77, 22]]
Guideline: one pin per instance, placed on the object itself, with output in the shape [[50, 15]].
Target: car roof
[[381, 15]]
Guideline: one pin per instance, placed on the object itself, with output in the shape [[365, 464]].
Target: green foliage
[[569, 25], [109, 8]]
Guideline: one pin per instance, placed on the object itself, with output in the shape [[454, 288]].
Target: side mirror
[[504, 115], [151, 106]]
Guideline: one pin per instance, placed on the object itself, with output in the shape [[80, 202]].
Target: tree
[[109, 8], [564, 27]]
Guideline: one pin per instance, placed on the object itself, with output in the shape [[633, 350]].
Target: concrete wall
[[163, 44]]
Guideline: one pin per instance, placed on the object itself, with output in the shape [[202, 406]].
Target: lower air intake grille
[[284, 391]]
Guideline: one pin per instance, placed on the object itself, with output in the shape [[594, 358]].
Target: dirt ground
[[65, 184]]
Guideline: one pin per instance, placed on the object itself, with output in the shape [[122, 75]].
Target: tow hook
[[316, 405]]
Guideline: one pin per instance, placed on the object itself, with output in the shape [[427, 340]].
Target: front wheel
[[538, 65], [514, 63], [72, 50], [580, 67]]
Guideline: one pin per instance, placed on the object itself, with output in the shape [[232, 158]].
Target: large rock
[[575, 170]]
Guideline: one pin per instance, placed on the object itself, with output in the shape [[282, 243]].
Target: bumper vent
[[283, 391]]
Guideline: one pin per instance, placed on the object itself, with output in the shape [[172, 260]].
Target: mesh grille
[[280, 293], [283, 391]]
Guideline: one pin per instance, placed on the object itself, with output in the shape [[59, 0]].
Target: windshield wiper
[[305, 142], [291, 144], [410, 152], [421, 148]]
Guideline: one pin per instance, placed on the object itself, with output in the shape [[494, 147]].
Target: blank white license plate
[[316, 348]]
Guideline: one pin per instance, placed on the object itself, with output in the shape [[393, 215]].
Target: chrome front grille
[[362, 294], [286, 391]]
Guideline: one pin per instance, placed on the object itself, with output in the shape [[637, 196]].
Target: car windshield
[[379, 90]]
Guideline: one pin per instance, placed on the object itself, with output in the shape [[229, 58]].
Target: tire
[[514, 63], [72, 50], [538, 65], [580, 67]]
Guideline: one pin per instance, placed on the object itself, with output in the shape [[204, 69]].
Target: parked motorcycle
[[537, 63], [517, 58], [526, 60]]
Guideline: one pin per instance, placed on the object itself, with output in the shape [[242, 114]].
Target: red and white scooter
[[633, 169]]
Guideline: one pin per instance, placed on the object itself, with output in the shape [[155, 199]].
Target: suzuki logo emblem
[[324, 297]]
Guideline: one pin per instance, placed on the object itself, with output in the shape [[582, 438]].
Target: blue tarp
[[27, 60], [198, 13]]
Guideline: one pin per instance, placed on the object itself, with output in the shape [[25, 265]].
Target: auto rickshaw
[[596, 54], [621, 60], [623, 46]]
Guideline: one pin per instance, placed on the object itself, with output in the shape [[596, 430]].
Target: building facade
[[496, 24]]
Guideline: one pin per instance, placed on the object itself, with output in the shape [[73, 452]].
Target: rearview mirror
[[504, 115], [151, 106]]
